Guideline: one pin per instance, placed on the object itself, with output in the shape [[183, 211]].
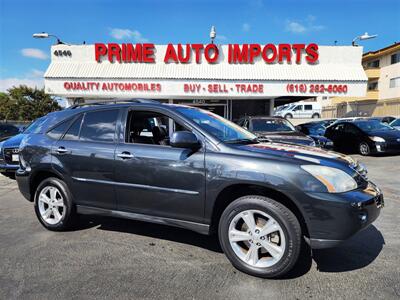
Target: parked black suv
[[182, 166]]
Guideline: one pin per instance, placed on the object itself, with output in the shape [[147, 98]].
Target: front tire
[[364, 149], [53, 205], [260, 236], [288, 116]]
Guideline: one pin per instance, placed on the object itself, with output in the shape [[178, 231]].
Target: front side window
[[217, 126], [298, 107], [99, 126], [152, 128]]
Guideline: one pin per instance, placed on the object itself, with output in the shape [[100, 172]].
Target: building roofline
[[383, 51]]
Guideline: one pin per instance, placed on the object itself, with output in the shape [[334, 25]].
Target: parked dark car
[[7, 131], [364, 136], [316, 131], [182, 166], [275, 129], [395, 124], [9, 149]]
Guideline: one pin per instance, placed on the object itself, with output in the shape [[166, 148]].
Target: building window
[[372, 64], [324, 98], [395, 58], [373, 86], [394, 82]]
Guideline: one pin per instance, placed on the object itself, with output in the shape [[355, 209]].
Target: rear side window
[[99, 126], [59, 130], [307, 107], [73, 132]]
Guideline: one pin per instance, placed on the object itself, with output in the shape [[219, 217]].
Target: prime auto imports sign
[[242, 54]]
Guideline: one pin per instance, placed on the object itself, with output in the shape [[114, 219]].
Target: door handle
[[61, 150], [125, 155]]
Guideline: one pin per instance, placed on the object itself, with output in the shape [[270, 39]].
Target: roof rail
[[115, 101]]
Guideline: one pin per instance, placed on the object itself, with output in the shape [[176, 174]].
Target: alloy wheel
[[364, 149], [257, 238], [51, 205]]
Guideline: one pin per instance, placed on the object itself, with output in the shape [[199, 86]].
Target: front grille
[[8, 156]]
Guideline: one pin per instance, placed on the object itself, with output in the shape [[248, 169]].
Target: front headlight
[[377, 139], [335, 180]]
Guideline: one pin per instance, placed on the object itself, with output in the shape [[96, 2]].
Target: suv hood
[[294, 137], [302, 154], [14, 141]]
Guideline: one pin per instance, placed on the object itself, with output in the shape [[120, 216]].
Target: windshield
[[217, 126], [271, 125], [372, 125], [395, 123]]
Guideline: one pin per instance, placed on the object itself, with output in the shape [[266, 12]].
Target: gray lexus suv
[[182, 166]]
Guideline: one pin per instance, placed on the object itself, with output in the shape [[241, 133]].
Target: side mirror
[[298, 128], [184, 139]]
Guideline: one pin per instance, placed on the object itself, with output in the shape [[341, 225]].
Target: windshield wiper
[[243, 141]]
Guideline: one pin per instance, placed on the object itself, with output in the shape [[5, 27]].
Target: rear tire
[[53, 205], [316, 116], [248, 249]]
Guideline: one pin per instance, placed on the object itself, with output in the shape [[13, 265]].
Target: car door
[[336, 134], [298, 111], [157, 179], [353, 137], [85, 155]]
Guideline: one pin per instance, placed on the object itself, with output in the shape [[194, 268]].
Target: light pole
[[45, 35], [213, 34], [363, 37]]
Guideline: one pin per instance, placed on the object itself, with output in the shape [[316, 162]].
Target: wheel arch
[[235, 191], [38, 177]]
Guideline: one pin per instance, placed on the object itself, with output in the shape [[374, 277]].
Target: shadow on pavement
[[162, 232], [356, 253]]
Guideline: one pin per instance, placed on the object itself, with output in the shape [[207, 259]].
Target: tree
[[23, 103]]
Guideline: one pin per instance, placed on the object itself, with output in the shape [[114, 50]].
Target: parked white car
[[301, 110]]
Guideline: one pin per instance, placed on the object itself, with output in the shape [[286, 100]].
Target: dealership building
[[231, 80]]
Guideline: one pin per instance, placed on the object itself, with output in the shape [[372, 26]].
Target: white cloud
[[295, 27], [221, 38], [306, 25], [8, 83], [246, 27], [35, 53], [120, 34], [34, 73]]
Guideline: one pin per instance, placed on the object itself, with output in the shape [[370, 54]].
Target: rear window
[[99, 126]]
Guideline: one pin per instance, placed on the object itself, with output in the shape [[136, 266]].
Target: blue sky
[[24, 59]]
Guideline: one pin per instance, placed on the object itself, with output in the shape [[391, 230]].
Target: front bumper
[[387, 147], [23, 181], [334, 218]]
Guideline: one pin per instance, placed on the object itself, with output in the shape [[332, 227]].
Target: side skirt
[[197, 227]]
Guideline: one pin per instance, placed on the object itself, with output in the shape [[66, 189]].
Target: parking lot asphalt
[[112, 258]]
